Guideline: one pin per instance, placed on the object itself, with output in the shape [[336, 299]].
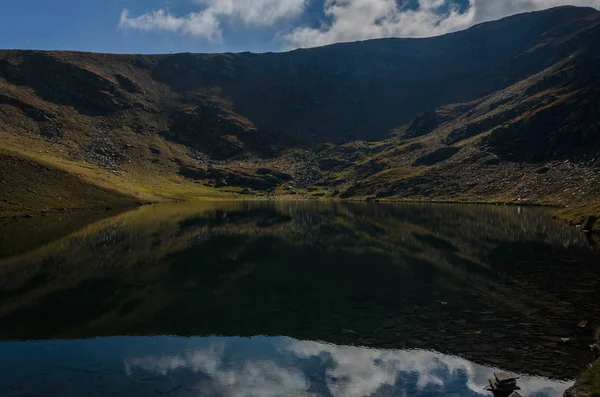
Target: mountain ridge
[[444, 117]]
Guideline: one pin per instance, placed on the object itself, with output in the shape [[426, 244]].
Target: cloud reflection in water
[[287, 367]]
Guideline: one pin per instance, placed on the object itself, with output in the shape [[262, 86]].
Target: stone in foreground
[[505, 377], [504, 385]]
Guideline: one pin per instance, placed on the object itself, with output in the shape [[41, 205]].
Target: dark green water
[[270, 299]]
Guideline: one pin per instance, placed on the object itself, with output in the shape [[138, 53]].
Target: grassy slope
[[36, 176], [591, 380], [29, 186], [579, 215], [588, 385]]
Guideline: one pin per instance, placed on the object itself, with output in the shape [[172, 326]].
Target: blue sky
[[163, 26]]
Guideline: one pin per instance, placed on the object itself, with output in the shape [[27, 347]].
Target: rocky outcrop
[[129, 85], [220, 178], [333, 163], [567, 127], [479, 126], [588, 384], [409, 187], [423, 124], [281, 176], [210, 128], [576, 390], [29, 110], [59, 81], [436, 156]]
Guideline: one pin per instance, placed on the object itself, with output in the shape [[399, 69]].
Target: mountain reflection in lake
[[499, 286], [240, 367]]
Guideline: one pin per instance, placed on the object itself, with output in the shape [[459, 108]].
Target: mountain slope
[[342, 91], [29, 185], [504, 111], [537, 140]]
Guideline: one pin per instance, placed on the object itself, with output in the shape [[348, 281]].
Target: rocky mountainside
[[506, 110], [537, 136]]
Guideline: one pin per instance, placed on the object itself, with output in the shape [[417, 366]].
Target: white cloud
[[367, 19], [349, 20], [206, 23], [201, 24], [255, 12]]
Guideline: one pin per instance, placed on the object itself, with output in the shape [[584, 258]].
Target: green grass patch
[[587, 216], [591, 380]]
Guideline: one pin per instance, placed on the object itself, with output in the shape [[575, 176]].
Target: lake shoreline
[[588, 384], [575, 216]]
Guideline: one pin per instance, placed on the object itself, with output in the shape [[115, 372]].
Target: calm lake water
[[294, 299]]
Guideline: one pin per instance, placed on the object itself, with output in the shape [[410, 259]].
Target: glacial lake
[[294, 299]]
